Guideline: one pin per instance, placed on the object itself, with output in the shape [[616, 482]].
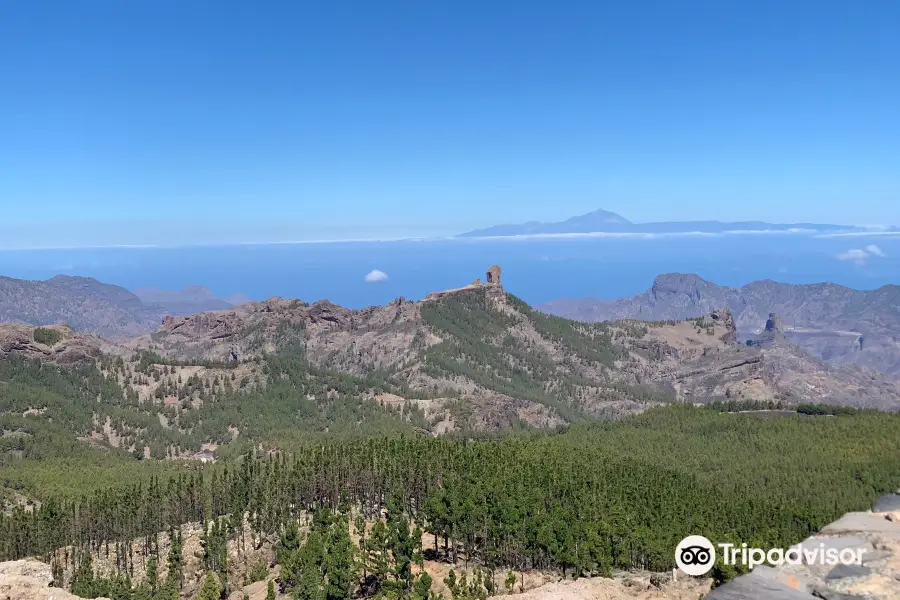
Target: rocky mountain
[[473, 358], [603, 221], [485, 346], [230, 385], [90, 306], [837, 324], [83, 303]]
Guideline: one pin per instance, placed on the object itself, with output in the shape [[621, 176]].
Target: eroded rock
[[30, 580]]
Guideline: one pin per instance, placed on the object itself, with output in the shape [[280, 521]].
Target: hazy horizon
[[537, 270]]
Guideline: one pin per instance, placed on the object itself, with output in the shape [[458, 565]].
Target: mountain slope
[[90, 306], [83, 303], [469, 359], [509, 362], [838, 324]]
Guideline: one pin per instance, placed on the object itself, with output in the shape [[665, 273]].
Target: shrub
[[48, 337]]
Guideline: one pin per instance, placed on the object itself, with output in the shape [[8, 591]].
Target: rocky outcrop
[[699, 360], [723, 317], [875, 534], [212, 326], [30, 580], [828, 320], [493, 274], [329, 314], [771, 336], [775, 325], [61, 345]]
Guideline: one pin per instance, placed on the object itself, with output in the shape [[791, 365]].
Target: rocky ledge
[[52, 343], [30, 580], [875, 533]]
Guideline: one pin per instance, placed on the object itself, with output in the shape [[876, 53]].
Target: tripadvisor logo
[[696, 555]]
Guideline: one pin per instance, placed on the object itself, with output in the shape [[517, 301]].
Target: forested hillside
[[595, 498]]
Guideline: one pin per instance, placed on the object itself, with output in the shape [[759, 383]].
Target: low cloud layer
[[375, 276], [860, 256]]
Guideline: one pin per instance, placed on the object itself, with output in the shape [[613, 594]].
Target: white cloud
[[856, 256], [375, 276], [860, 257]]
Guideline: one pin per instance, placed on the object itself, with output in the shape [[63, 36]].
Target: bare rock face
[[775, 324], [212, 326], [698, 360], [493, 274], [30, 580], [837, 324], [27, 568], [328, 313], [61, 345], [724, 317], [772, 335]]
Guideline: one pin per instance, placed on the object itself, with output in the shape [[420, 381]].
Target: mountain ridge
[[463, 341], [94, 307], [839, 324], [472, 358]]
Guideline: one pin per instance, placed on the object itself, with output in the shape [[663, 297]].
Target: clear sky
[[158, 121]]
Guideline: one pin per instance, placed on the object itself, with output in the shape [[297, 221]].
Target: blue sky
[[168, 121]]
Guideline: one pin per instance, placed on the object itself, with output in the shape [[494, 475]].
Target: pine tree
[[287, 554], [211, 589], [510, 581], [83, 582], [339, 564], [152, 573], [422, 587], [270, 591], [174, 560]]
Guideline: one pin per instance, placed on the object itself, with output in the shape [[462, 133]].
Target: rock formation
[[828, 320], [65, 347], [493, 275], [772, 335], [30, 580], [724, 317]]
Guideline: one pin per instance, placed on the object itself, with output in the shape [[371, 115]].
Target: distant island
[[604, 221]]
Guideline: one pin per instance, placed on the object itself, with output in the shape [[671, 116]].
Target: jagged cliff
[[837, 324]]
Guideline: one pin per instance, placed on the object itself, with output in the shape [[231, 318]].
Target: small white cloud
[[856, 256], [376, 276], [875, 251]]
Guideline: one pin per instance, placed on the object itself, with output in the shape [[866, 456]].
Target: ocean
[[536, 270]]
